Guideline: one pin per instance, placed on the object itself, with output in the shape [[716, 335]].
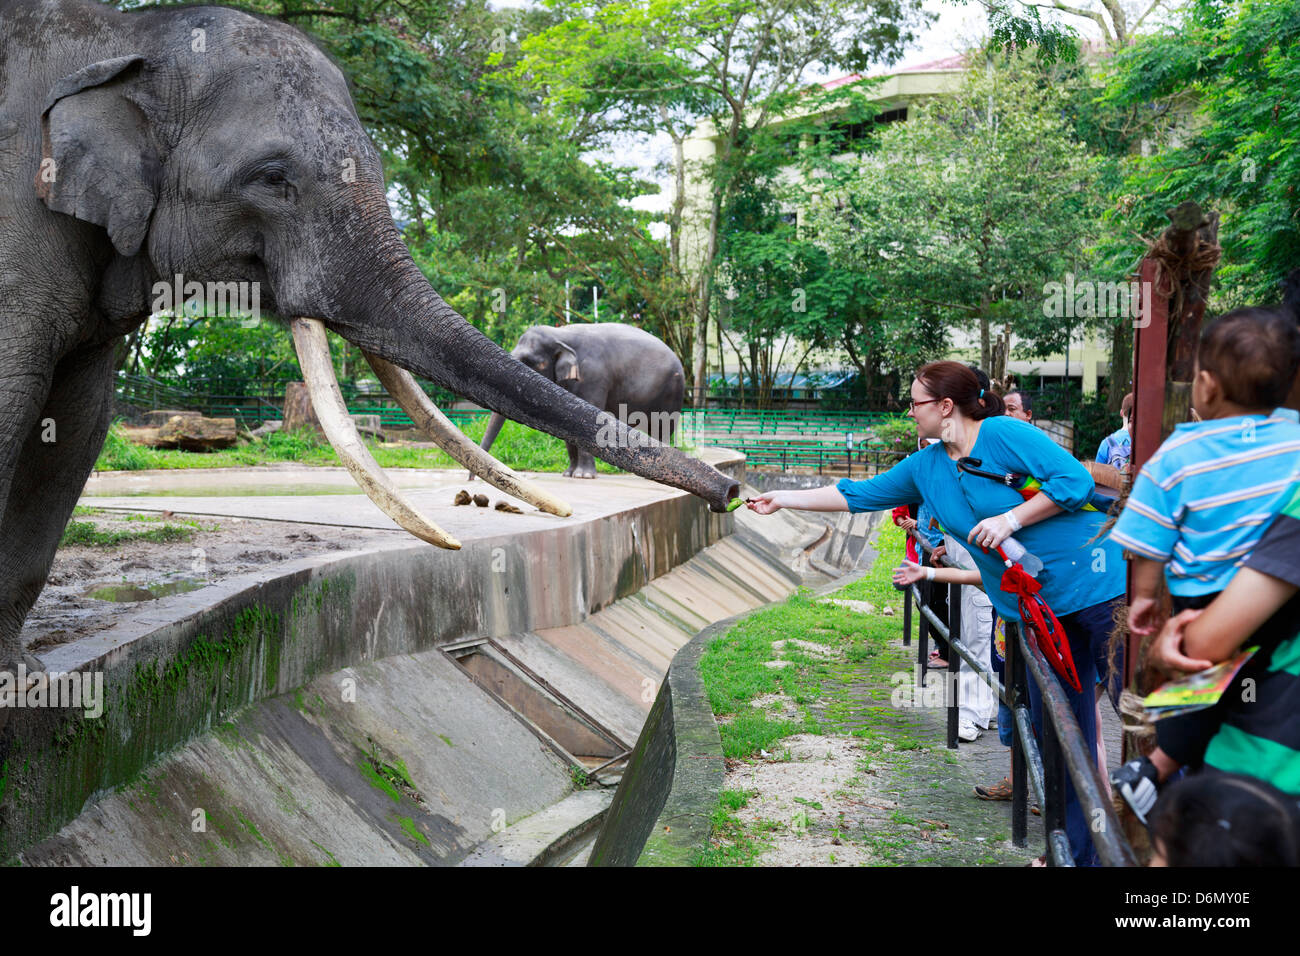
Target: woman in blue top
[[1081, 578]]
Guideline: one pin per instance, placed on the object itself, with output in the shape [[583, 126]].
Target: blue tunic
[[1078, 572]]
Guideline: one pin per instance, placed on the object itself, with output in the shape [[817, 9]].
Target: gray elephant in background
[[619, 368]]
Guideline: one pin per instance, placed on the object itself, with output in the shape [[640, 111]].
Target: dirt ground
[[219, 548]]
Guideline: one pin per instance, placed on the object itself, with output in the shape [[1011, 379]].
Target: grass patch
[[730, 844], [87, 533], [737, 799], [518, 446], [846, 692]]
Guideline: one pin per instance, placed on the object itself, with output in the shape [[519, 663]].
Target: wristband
[[929, 574], [1011, 520]]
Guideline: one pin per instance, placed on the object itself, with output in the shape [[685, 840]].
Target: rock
[[862, 607], [138, 435], [508, 508], [888, 611], [160, 416], [369, 426], [266, 428], [481, 500], [196, 433]]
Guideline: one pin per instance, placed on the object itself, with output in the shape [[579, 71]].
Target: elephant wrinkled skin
[[131, 152]]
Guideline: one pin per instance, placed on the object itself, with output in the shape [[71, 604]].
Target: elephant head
[[221, 147], [543, 351]]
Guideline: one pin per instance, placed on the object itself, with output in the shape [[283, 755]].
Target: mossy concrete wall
[[171, 676]]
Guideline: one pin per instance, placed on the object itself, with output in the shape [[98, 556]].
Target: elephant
[[201, 148], [622, 369]]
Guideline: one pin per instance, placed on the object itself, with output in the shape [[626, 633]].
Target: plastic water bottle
[[1017, 553]]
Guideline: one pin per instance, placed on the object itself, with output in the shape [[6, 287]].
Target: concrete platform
[[315, 713]]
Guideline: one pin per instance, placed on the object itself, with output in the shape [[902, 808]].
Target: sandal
[[999, 791], [936, 662]]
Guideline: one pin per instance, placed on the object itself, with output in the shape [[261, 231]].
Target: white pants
[[975, 700]]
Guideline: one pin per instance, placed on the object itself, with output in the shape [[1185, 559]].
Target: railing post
[[1053, 809], [1013, 681], [907, 616], [954, 663], [923, 630]]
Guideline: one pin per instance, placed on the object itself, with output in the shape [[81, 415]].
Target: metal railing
[[763, 422], [836, 459], [1040, 769]]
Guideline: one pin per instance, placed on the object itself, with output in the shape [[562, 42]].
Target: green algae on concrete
[[156, 705]]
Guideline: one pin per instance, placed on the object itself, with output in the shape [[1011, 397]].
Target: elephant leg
[[585, 467], [46, 485], [574, 453]]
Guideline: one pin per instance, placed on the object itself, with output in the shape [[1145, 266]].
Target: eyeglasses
[[913, 403]]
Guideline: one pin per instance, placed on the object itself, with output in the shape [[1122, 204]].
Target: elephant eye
[[273, 176]]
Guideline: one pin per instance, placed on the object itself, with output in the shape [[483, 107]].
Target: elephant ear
[[97, 160], [566, 365]]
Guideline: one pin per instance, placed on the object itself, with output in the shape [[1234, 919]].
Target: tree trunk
[[1121, 365], [298, 409], [985, 339]]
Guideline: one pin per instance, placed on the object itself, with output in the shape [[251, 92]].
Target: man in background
[[1019, 405], [1117, 448]]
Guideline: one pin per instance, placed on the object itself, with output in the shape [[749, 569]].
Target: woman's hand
[[909, 572], [766, 503], [1166, 651], [907, 524], [991, 532], [938, 554]]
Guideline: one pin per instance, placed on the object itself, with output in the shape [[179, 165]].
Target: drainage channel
[[591, 750]]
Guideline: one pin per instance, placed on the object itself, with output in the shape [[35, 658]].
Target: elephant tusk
[[426, 416], [314, 356]]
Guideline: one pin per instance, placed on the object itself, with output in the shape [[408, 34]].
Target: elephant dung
[[481, 500], [508, 508], [196, 433], [462, 497]]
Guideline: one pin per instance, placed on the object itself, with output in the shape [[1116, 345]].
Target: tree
[[785, 297], [969, 209], [649, 65], [1222, 83]]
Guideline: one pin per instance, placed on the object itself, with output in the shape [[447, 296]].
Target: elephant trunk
[[393, 312]]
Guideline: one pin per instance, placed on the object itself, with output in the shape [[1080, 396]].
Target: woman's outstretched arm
[[813, 499]]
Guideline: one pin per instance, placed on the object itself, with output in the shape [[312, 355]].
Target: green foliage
[[968, 209], [120, 454], [1214, 97]]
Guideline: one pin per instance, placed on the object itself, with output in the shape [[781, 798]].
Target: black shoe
[[1138, 783]]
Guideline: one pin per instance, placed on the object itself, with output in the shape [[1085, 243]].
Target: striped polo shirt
[[1204, 498]]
